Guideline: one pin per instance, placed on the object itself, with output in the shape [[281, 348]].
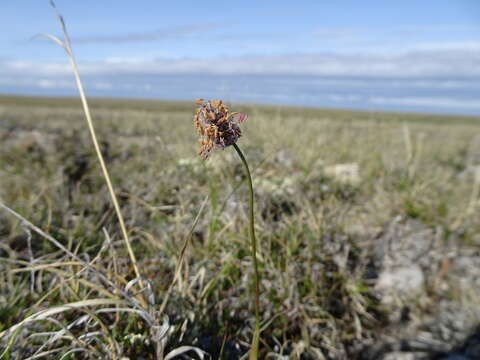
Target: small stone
[[404, 282], [344, 173]]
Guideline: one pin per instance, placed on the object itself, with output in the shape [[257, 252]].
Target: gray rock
[[400, 282], [404, 258], [397, 355], [344, 173], [408, 258]]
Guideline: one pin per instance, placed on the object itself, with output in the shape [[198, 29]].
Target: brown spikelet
[[216, 125]]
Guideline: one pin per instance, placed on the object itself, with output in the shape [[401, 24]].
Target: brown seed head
[[216, 125]]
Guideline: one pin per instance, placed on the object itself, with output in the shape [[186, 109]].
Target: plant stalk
[[256, 335], [67, 46]]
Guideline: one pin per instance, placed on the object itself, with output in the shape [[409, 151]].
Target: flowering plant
[[218, 127]]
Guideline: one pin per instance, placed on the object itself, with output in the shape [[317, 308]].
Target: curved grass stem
[[67, 46], [256, 335]]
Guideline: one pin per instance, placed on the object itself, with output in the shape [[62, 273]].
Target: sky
[[409, 55]]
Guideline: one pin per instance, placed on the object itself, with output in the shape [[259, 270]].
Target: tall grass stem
[[66, 45]]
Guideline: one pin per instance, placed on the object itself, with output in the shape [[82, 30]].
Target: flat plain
[[367, 225]]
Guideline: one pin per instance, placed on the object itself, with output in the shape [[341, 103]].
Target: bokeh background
[[373, 55]]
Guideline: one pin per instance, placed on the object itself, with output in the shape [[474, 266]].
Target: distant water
[[433, 95]]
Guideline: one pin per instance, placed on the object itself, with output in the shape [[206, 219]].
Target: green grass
[[50, 175]]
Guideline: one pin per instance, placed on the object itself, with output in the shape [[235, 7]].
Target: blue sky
[[393, 55]]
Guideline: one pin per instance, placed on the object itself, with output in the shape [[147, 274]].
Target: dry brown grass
[[316, 230]]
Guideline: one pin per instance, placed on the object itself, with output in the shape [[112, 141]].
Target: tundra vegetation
[[367, 227]]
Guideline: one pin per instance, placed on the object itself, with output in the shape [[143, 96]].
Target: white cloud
[[471, 45], [55, 84], [28, 67], [102, 86], [426, 101], [343, 98], [151, 35], [455, 63], [441, 80], [46, 84]]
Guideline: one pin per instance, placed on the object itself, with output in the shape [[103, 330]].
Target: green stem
[[256, 335]]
